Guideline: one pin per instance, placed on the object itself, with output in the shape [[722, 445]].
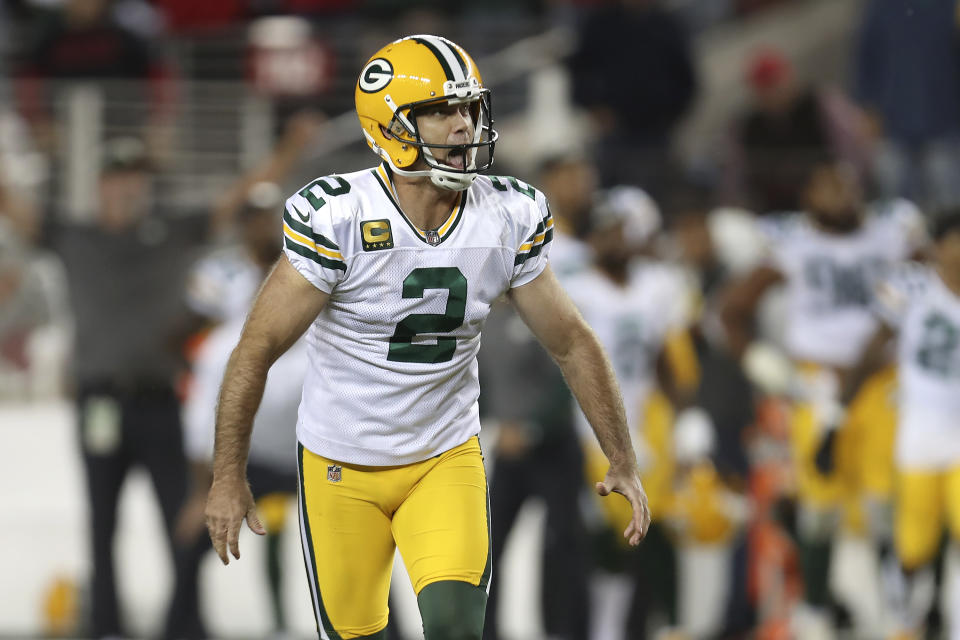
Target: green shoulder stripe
[[309, 232], [313, 255]]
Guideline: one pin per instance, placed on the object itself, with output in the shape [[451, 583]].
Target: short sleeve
[[894, 292], [531, 257], [310, 243]]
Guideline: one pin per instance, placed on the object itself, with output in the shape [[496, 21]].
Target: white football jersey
[[393, 368], [631, 322], [221, 286], [916, 301], [273, 441], [569, 256], [830, 278]]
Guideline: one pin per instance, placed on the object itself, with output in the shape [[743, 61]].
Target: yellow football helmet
[[412, 73]]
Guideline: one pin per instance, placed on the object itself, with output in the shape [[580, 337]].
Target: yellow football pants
[[863, 453], [872, 419], [924, 500], [353, 517]]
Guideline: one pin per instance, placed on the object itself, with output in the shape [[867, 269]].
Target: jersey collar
[[431, 237]]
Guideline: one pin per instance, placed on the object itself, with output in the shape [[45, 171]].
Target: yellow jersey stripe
[[308, 242]]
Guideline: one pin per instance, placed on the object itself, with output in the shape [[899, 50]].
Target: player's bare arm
[[739, 305], [285, 307], [554, 319]]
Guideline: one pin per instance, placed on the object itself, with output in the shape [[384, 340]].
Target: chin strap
[[439, 177]]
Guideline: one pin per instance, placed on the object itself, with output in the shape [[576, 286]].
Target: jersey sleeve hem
[[529, 276], [307, 272]]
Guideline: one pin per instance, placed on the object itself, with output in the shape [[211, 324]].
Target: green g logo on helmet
[[376, 75]]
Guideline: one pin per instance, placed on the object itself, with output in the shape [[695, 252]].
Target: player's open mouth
[[456, 159]]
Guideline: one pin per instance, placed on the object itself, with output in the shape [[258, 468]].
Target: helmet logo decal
[[376, 75]]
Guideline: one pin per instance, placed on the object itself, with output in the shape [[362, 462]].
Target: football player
[[392, 272], [634, 306], [828, 260], [919, 307]]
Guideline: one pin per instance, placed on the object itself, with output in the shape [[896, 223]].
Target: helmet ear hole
[[386, 132]]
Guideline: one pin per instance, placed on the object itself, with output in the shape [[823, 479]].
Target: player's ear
[[386, 132]]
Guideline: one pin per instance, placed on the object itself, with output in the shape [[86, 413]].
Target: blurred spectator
[[24, 302], [722, 391], [84, 41], [634, 72], [723, 400], [126, 276], [788, 125], [908, 81], [537, 452]]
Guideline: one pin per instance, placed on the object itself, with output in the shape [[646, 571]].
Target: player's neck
[[425, 204], [618, 273], [950, 279]]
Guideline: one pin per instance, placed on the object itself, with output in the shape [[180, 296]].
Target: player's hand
[[625, 480], [228, 503]]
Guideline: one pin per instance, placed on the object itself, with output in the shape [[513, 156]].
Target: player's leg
[[105, 464], [157, 437], [818, 510], [918, 525], [347, 546], [953, 521], [442, 529]]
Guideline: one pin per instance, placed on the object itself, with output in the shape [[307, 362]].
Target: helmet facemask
[[477, 155]]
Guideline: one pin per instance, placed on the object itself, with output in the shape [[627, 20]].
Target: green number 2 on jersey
[[402, 347]]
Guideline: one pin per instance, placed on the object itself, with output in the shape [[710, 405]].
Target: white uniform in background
[[916, 302], [632, 322], [569, 256], [926, 314], [222, 284], [830, 278], [273, 442], [405, 311]]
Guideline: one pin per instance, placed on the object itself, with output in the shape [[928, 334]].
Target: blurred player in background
[[222, 289], [635, 309], [394, 270], [828, 259], [919, 307], [537, 453], [271, 467]]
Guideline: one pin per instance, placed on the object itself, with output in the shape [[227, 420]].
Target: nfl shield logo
[[334, 473], [433, 238]]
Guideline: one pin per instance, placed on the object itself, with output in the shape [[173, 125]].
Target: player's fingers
[[602, 489], [233, 539], [254, 522], [218, 536], [640, 522]]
